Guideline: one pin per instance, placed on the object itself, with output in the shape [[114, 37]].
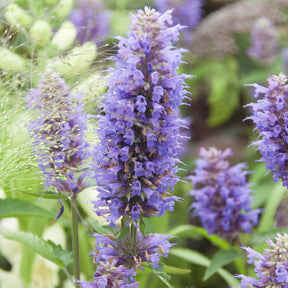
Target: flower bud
[[16, 15], [77, 60], [65, 36], [41, 32], [10, 62], [63, 8]]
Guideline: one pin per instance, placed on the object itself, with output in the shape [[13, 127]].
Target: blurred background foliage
[[216, 55]]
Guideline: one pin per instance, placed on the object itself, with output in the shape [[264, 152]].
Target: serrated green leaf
[[46, 249], [16, 208], [220, 259], [190, 229], [199, 259]]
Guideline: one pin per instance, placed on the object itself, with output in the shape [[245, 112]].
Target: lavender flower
[[264, 40], [270, 115], [91, 20], [139, 133], [143, 249], [221, 194], [271, 268], [185, 12], [108, 275], [59, 133]]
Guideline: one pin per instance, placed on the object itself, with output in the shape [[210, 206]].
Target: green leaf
[[16, 208], [49, 195], [190, 230], [46, 249], [259, 238], [176, 270], [124, 230], [220, 259], [268, 217], [199, 259]]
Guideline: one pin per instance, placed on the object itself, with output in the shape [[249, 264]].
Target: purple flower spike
[[264, 40], [109, 275], [270, 116], [91, 20], [144, 249], [59, 133], [221, 194], [139, 133], [271, 269]]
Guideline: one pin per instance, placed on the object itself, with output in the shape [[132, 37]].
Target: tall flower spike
[[144, 249], [271, 268], [139, 129], [109, 275], [264, 40], [221, 194], [91, 20], [59, 133], [270, 116]]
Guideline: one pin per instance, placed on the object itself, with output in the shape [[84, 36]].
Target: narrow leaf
[[220, 259], [16, 208], [49, 195], [46, 249], [199, 259], [176, 270], [190, 229]]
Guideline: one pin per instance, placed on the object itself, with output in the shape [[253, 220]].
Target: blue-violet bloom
[[59, 133], [264, 40], [270, 116], [221, 194], [91, 20], [139, 127], [144, 249], [271, 269], [110, 275]]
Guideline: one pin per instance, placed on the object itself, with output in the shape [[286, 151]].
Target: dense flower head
[[264, 40], [271, 269], [185, 12], [139, 129], [59, 133], [109, 275], [270, 116], [221, 194], [91, 20], [147, 248]]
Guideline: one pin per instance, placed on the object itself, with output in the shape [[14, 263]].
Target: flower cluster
[[264, 40], [110, 275], [221, 194], [129, 253], [91, 20], [185, 12], [59, 133], [139, 136], [271, 268], [270, 115]]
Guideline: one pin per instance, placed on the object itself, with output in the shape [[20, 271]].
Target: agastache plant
[[139, 139], [138, 131], [91, 20], [221, 194], [271, 269], [264, 40], [270, 116], [59, 142]]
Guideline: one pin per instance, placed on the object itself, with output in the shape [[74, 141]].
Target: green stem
[[75, 240], [133, 233]]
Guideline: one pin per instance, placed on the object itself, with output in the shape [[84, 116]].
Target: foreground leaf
[[220, 259], [49, 195], [46, 249], [16, 208], [199, 259]]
